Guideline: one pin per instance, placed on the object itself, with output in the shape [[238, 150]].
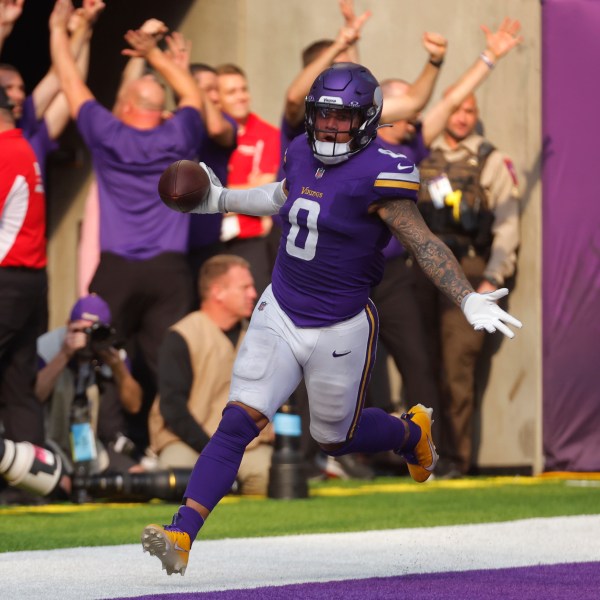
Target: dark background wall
[[27, 46]]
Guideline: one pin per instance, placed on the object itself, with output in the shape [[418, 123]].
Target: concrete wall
[[265, 37]]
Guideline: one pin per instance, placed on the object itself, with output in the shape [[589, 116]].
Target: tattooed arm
[[434, 257], [404, 220]]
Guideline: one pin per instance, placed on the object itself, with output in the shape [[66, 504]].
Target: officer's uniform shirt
[[499, 181]]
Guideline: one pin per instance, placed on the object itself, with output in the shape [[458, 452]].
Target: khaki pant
[[253, 475]]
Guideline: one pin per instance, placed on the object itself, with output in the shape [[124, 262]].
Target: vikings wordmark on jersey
[[331, 249]]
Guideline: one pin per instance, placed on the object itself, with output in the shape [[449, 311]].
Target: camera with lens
[[31, 468], [100, 337], [168, 485]]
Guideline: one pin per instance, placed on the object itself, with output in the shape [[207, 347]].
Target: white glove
[[482, 312], [213, 203]]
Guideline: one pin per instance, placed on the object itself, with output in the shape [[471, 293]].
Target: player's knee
[[237, 425], [259, 419], [337, 449]]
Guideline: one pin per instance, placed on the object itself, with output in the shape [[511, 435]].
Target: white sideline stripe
[[125, 571]]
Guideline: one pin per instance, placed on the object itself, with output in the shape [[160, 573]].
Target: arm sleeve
[[260, 201], [175, 382]]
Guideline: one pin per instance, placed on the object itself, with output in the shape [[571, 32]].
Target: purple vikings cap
[[91, 308]]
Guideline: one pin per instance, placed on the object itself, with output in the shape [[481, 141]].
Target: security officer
[[469, 198]]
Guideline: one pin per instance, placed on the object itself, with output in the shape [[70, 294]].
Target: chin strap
[[331, 160]]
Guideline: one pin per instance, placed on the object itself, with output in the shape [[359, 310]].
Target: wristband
[[487, 60], [436, 63]]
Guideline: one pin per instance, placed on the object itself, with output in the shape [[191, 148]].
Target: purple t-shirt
[[36, 133], [205, 230], [331, 249], [415, 151], [128, 162]]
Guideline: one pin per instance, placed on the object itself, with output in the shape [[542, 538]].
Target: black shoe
[[344, 467], [17, 497], [447, 469]]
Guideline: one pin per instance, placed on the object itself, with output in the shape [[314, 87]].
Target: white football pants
[[336, 362]]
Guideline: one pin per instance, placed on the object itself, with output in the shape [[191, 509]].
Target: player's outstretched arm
[[259, 201], [439, 264]]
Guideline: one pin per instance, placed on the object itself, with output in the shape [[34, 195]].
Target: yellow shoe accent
[[171, 547], [422, 459]]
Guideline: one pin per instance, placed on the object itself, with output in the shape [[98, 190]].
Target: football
[[184, 185]]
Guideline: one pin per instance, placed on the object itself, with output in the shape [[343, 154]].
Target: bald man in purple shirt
[[143, 273]]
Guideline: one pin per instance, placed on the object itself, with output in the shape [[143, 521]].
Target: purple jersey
[[205, 230], [416, 151], [331, 250], [128, 163], [35, 131]]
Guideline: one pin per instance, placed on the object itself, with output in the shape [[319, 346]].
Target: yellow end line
[[569, 475], [56, 509], [361, 490], [394, 488]]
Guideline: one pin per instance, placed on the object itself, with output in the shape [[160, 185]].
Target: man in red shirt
[[254, 162], [23, 281]]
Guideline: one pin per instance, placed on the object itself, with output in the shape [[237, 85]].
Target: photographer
[[88, 344]]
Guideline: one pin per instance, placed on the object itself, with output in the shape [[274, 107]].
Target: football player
[[342, 198]]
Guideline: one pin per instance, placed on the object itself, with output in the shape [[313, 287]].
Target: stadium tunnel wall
[[265, 38]]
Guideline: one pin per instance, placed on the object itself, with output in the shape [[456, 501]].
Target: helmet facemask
[[334, 131], [342, 112]]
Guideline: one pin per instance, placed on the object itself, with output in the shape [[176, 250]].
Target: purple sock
[[188, 520], [414, 435], [376, 432], [218, 464]]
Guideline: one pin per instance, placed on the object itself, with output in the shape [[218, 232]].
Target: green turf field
[[333, 506]]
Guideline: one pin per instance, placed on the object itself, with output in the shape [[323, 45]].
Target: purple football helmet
[[351, 91]]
